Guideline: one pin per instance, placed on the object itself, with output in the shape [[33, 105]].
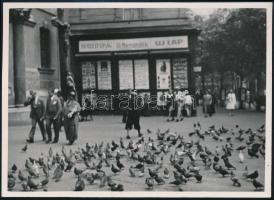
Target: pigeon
[[240, 148], [31, 184], [166, 173], [24, 149], [257, 184], [80, 184], [159, 180], [14, 168], [50, 152], [120, 165], [235, 180], [69, 166], [152, 173], [114, 169], [25, 186], [11, 183], [198, 177], [245, 173], [222, 171], [131, 172], [78, 171], [44, 182], [58, 173], [241, 156], [253, 175], [149, 131], [117, 187], [150, 182], [21, 176], [90, 179]]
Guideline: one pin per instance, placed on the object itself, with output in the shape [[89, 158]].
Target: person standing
[[207, 100], [231, 102], [188, 103], [133, 117], [36, 115], [53, 111], [180, 104], [170, 105], [71, 118]]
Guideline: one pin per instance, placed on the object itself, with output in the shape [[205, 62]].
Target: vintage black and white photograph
[[145, 99]]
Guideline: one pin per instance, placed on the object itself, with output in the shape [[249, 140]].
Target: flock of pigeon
[[159, 158]]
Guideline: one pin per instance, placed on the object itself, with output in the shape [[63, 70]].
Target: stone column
[[19, 64]]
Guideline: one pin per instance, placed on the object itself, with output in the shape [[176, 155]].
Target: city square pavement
[[107, 128]]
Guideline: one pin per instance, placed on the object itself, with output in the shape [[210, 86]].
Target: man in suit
[[52, 114], [36, 115]]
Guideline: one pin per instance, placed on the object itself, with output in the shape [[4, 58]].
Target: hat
[[56, 91], [72, 94]]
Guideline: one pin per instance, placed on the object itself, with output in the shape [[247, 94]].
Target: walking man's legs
[[48, 129], [56, 127], [42, 129], [32, 130]]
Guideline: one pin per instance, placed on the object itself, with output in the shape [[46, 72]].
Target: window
[[133, 74], [45, 47], [132, 13]]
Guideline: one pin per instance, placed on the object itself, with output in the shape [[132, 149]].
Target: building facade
[[34, 62], [151, 50]]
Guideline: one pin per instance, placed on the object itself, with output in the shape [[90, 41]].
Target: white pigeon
[[241, 156]]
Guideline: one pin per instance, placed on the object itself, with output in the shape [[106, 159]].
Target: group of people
[[54, 113], [177, 102]]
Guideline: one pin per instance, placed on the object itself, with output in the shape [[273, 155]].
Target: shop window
[[104, 75], [180, 73], [45, 47], [132, 13], [88, 75], [133, 74]]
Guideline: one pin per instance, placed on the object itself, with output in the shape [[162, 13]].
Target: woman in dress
[[231, 102], [71, 118]]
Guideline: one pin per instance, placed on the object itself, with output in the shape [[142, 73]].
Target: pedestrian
[[125, 111], [71, 117], [53, 111], [36, 115], [231, 102], [213, 103], [170, 105], [188, 103], [207, 101], [180, 104], [133, 117]]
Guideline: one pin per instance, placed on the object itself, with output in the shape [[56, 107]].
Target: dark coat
[[54, 107], [37, 108]]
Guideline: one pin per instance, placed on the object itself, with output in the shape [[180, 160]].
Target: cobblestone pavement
[[108, 128]]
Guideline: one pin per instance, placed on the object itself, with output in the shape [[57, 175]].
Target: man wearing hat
[[36, 115], [71, 117], [53, 111]]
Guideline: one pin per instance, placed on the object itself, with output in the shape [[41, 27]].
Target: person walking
[[52, 115], [133, 117], [207, 100], [231, 102], [71, 118], [59, 95], [36, 115]]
